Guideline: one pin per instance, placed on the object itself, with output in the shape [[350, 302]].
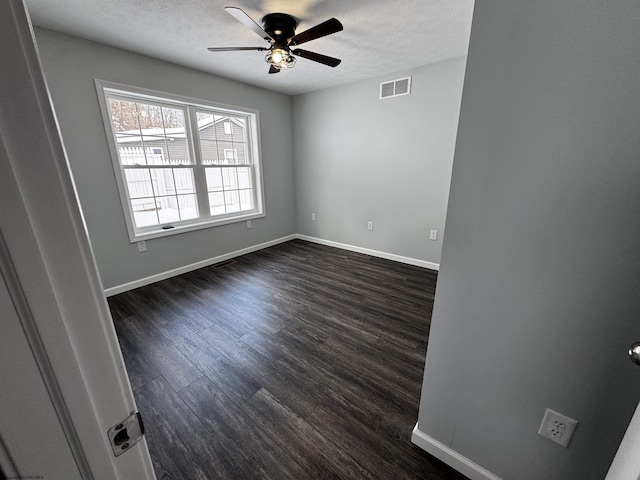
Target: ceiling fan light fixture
[[280, 58], [279, 30]]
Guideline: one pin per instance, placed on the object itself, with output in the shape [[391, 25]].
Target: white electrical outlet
[[142, 246], [248, 223], [313, 217], [557, 427], [369, 225], [433, 235]]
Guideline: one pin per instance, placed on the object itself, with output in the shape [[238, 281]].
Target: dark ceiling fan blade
[[316, 57], [246, 20], [321, 30], [233, 49], [273, 69]]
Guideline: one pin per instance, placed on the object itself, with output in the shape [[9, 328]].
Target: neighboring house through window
[[181, 164], [230, 155]]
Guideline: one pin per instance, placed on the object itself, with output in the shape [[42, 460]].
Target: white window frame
[[190, 105]]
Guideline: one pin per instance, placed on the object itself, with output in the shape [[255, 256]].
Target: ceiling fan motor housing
[[281, 27]]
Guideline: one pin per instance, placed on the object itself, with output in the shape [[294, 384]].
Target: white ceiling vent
[[395, 88]]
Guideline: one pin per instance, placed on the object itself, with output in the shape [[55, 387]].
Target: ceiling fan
[[279, 29]]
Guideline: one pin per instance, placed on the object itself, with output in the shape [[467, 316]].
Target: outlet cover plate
[[557, 427]]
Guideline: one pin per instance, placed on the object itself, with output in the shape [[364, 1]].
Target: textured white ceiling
[[379, 36]]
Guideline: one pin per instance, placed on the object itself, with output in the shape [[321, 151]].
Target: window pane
[[209, 152], [223, 147], [153, 147], [183, 178], [149, 134], [128, 120], [214, 179], [232, 201], [138, 182], [205, 125], [229, 178], [149, 117], [244, 177], [131, 155], [241, 153], [222, 139], [167, 209], [123, 116], [165, 184], [246, 200], [144, 212], [169, 181], [238, 129], [230, 156], [155, 155], [237, 185], [216, 203], [188, 206], [176, 138], [163, 181]]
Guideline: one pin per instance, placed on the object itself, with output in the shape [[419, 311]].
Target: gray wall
[[538, 296], [362, 159], [71, 65]]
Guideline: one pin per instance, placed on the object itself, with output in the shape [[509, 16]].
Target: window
[[181, 164]]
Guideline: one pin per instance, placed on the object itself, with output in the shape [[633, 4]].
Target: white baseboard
[[450, 456], [193, 266], [373, 253], [254, 248]]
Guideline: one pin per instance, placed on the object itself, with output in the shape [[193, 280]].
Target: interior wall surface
[[71, 64], [360, 159], [538, 293]]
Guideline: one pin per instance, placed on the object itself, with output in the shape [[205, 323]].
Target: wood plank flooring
[[299, 361]]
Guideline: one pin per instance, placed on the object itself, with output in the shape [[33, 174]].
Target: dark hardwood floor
[[299, 361]]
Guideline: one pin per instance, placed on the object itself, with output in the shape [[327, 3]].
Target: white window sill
[[178, 229]]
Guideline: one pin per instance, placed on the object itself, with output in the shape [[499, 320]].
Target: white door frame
[[53, 266]]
